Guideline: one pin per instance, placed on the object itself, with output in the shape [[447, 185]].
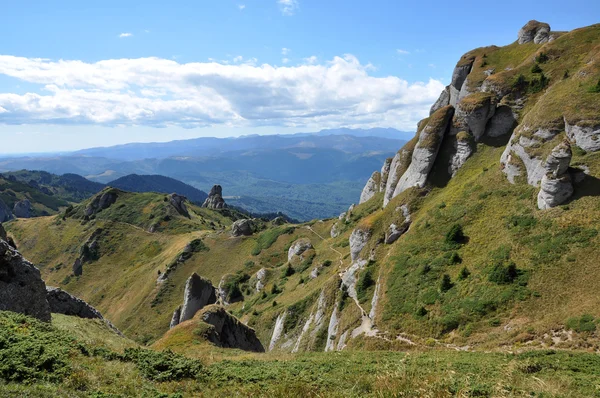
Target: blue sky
[[75, 75]]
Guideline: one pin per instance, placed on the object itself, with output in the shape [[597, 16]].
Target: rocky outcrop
[[385, 173], [89, 251], [503, 122], [62, 302], [332, 330], [395, 231], [538, 32], [175, 318], [5, 213], [178, 202], [349, 277], [335, 230], [243, 227], [21, 286], [23, 209], [277, 330], [215, 198], [426, 151], [474, 111], [228, 290], [556, 185], [279, 221], [463, 148], [298, 248], [358, 240], [398, 167], [199, 292], [228, 332], [371, 187], [261, 277], [459, 77], [102, 201], [585, 137], [442, 101]]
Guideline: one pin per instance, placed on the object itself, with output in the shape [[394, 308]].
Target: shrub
[[536, 69], [586, 323], [539, 84], [163, 366], [520, 83], [421, 312], [595, 89], [275, 289], [455, 258], [326, 263], [446, 283], [364, 283], [287, 271], [464, 274], [503, 274], [542, 58], [455, 235]]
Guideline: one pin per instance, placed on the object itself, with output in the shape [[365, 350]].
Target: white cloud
[[311, 60], [288, 7], [285, 60], [402, 52], [238, 59], [123, 35], [241, 6], [285, 51], [161, 92]]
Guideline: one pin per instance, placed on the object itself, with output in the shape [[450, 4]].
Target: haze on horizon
[[75, 76]]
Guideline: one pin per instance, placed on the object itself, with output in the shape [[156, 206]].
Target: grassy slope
[[14, 191]]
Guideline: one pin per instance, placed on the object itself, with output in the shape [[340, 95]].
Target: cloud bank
[[160, 93]]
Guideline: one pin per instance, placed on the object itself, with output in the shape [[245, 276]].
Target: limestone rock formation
[[23, 209], [102, 201], [198, 293], [474, 111], [5, 213], [503, 122], [228, 331], [62, 302], [178, 202], [215, 198], [243, 227], [395, 231], [298, 248], [175, 318], [442, 101], [89, 251], [556, 185], [21, 286], [425, 151], [358, 240], [459, 77], [261, 277], [335, 230], [538, 32], [385, 173], [371, 187], [279, 221], [228, 292], [585, 137], [398, 167], [463, 148]]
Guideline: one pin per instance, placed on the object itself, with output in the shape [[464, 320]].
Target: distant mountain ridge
[[160, 184]]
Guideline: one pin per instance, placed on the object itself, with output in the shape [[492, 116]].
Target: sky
[[75, 74]]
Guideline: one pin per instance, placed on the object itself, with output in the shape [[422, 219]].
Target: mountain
[[158, 183], [474, 252], [18, 199], [70, 187]]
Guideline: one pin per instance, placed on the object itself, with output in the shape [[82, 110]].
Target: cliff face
[[538, 91]]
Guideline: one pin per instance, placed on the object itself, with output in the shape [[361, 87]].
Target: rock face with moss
[[298, 248], [244, 227], [5, 213], [62, 302], [101, 201], [585, 137], [178, 202], [398, 166], [459, 78], [395, 230], [215, 198], [371, 187], [425, 151], [228, 332], [21, 286], [358, 240], [442, 101], [534, 31], [556, 186], [463, 148], [473, 113], [23, 209], [198, 293]]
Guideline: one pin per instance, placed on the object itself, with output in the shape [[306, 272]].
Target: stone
[[459, 76], [175, 318], [385, 173], [261, 277], [101, 201], [559, 159], [23, 209], [243, 227], [335, 230], [358, 240], [62, 302], [22, 289], [395, 231], [78, 267], [425, 151], [398, 167], [215, 198], [5, 213], [315, 272], [503, 122], [475, 116], [585, 137], [178, 202], [442, 101], [228, 331], [462, 151], [554, 191], [535, 31], [298, 248], [371, 187], [226, 293], [199, 292]]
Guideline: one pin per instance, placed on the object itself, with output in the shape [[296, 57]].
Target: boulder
[[226, 291], [335, 230], [178, 202], [175, 318], [358, 240], [228, 332], [395, 231], [538, 32], [398, 167], [78, 267], [23, 209], [503, 122], [215, 198], [101, 201], [22, 289], [459, 77], [62, 302], [371, 187], [442, 101], [554, 191], [243, 227], [199, 292], [462, 151], [261, 277], [425, 151], [559, 159], [474, 111], [585, 137], [5, 213], [298, 248]]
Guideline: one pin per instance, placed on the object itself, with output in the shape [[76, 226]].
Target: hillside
[[479, 235], [158, 183], [19, 199]]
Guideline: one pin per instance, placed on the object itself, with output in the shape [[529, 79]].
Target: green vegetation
[[585, 323], [267, 238]]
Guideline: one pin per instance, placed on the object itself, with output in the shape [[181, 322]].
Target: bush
[[539, 84], [446, 283], [455, 235], [542, 58], [421, 312], [364, 283], [586, 323], [536, 69], [287, 271], [464, 274], [503, 274], [275, 289], [455, 258], [595, 89], [163, 366], [326, 263]]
